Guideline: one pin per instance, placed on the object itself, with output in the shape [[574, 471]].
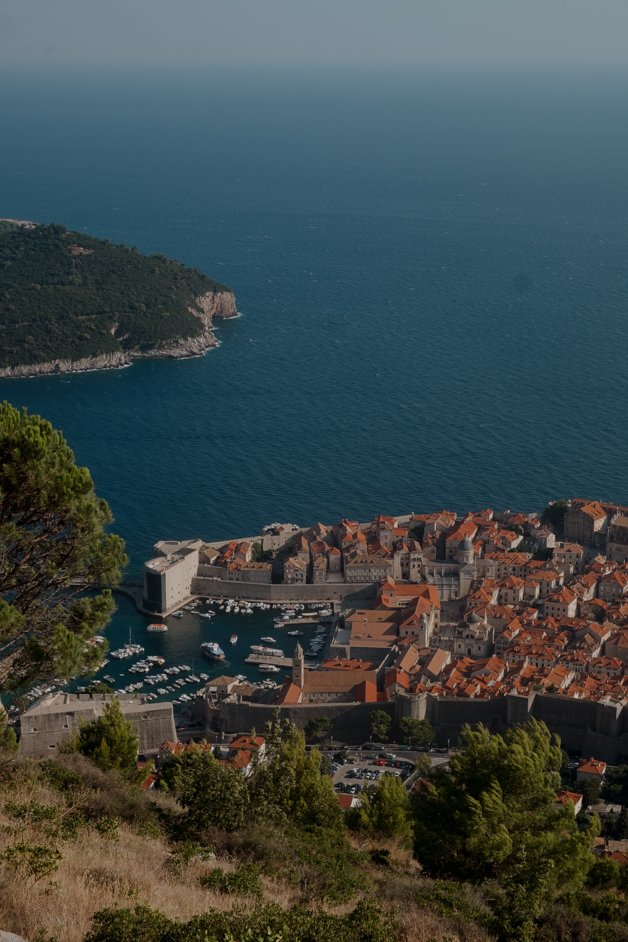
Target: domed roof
[[465, 544]]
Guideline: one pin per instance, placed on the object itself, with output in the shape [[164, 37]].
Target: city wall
[[350, 721], [584, 726], [354, 594]]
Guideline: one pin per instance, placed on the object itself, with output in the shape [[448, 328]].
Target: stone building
[[351, 685], [295, 570], [584, 521], [368, 568], [168, 576], [55, 719]]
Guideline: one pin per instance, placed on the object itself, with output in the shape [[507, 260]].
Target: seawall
[[353, 593]]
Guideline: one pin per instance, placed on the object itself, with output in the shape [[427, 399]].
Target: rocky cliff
[[213, 304], [72, 303]]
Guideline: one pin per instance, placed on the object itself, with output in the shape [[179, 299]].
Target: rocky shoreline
[[214, 304]]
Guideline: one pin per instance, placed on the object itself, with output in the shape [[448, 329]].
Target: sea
[[432, 273]]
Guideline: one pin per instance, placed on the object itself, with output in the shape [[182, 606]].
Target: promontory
[[71, 302]]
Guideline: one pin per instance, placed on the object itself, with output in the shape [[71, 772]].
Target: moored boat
[[269, 652], [213, 651], [157, 626]]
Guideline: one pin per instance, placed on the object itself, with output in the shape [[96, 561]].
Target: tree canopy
[[289, 784], [68, 295], [54, 546], [212, 794], [416, 732], [492, 816], [383, 810], [110, 741], [380, 723]]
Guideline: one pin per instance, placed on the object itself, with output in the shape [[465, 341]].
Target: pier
[[268, 659], [306, 619]]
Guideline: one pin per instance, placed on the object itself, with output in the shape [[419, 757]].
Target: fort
[[54, 720]]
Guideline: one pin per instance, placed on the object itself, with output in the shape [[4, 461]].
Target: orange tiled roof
[[592, 767]]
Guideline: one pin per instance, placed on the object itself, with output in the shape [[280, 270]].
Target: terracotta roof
[[592, 767], [564, 797], [247, 742], [347, 664], [289, 693]]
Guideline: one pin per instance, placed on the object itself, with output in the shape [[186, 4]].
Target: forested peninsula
[[71, 302]]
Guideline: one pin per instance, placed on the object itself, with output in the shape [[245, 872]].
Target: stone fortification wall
[[350, 721], [584, 726], [45, 727], [357, 594]]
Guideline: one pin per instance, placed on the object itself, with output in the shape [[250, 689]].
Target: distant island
[[70, 302]]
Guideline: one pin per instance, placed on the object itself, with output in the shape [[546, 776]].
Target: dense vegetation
[[213, 856], [53, 544], [67, 295]]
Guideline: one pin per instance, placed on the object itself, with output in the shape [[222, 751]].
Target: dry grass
[[96, 870], [99, 871]]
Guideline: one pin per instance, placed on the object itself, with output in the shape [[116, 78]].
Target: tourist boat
[[269, 652], [269, 639], [268, 668], [233, 639], [157, 626], [213, 651]]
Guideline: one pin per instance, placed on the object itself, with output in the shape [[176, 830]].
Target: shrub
[[32, 861], [245, 880], [262, 924]]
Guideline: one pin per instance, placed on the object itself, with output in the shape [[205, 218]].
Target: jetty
[[268, 659]]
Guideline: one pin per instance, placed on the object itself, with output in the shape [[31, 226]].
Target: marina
[[170, 665]]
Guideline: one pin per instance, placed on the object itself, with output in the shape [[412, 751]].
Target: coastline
[[221, 305]]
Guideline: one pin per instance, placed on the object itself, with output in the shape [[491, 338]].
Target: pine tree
[[492, 815], [53, 545], [110, 741]]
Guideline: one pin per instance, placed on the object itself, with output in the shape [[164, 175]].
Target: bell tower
[[298, 666]]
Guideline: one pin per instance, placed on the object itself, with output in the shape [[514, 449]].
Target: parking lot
[[359, 771], [364, 765]]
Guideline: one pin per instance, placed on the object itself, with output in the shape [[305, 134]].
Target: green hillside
[[67, 295]]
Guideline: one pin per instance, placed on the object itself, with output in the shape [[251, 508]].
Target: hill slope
[[69, 301]]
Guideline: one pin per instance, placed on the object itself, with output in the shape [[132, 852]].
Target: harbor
[[167, 663]]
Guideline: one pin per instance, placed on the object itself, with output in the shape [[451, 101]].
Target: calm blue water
[[432, 272]]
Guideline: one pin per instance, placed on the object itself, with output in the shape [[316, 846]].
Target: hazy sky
[[242, 33]]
